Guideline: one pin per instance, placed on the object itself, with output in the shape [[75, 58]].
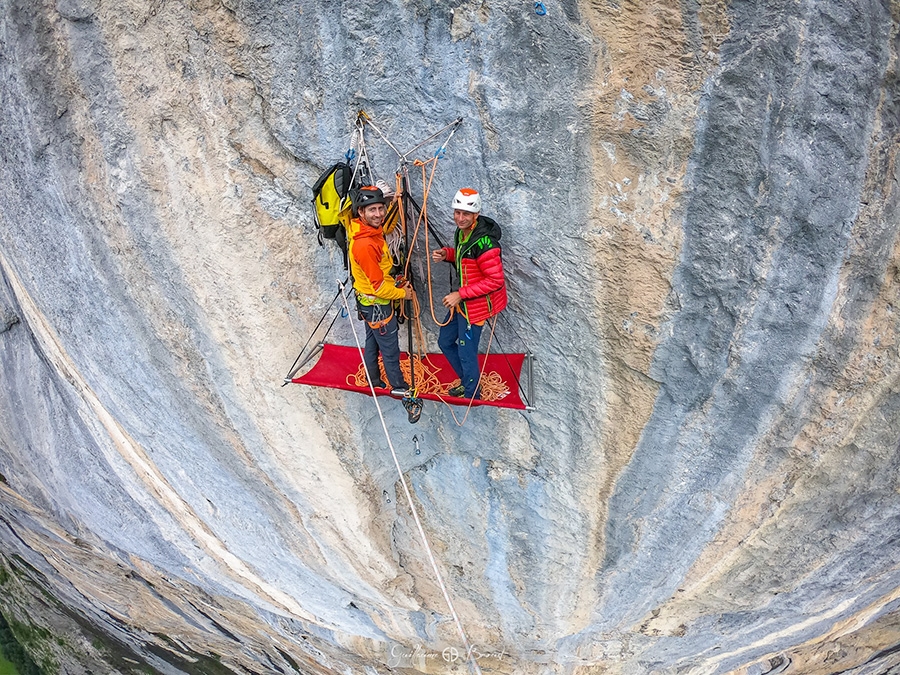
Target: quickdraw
[[384, 322], [374, 325]]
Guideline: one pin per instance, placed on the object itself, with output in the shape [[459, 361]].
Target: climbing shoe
[[413, 408], [458, 391], [379, 384]]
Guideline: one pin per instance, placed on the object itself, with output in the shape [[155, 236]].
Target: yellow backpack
[[330, 193]]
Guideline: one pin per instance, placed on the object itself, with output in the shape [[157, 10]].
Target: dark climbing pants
[[384, 340], [458, 341]]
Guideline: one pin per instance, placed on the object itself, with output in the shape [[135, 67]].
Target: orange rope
[[419, 220], [426, 186], [423, 217], [398, 195], [493, 388]]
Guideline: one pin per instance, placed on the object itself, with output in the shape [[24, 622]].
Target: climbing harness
[[381, 323], [485, 385], [427, 378]]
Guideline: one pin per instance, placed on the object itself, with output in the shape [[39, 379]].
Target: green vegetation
[[7, 667], [31, 649], [20, 663], [34, 637]]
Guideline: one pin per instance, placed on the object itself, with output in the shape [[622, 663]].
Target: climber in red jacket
[[482, 288]]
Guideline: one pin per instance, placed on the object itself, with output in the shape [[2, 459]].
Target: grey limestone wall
[[699, 213]]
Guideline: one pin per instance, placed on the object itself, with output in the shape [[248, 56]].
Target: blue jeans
[[459, 343], [384, 340]]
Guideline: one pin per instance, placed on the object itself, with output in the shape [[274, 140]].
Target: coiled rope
[[493, 387], [440, 579]]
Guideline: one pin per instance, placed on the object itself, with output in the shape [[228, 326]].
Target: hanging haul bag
[[329, 193]]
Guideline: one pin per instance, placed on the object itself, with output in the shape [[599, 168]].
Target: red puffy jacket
[[480, 267]]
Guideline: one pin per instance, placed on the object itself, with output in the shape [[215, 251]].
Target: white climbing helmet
[[467, 199]]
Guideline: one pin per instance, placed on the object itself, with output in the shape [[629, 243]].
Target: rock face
[[700, 214]]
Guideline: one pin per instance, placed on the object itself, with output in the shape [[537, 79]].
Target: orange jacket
[[371, 263]]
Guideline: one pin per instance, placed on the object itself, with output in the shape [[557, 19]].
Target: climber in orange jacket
[[482, 288], [370, 265]]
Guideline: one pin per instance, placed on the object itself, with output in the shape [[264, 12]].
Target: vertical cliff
[[700, 222]]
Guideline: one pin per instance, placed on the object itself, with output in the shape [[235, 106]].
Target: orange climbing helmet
[[467, 199]]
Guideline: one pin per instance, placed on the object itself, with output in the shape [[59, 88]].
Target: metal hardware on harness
[[375, 325], [382, 323]]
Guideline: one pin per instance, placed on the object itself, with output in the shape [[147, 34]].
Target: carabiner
[[539, 8]]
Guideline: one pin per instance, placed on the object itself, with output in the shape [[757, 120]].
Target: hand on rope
[[452, 300], [409, 293]]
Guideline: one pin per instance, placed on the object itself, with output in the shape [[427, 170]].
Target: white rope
[[357, 133], [394, 240], [462, 634]]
